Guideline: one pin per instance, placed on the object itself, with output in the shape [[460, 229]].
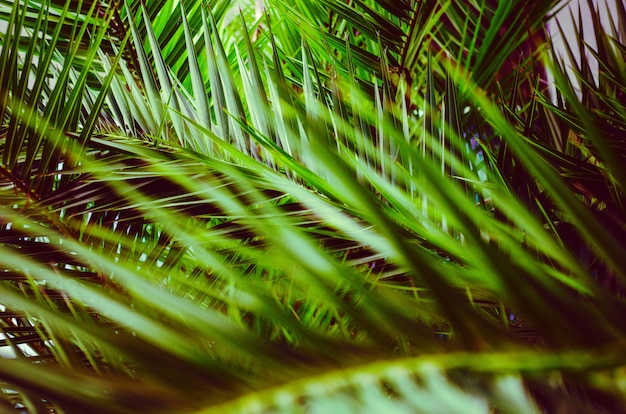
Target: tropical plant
[[334, 206]]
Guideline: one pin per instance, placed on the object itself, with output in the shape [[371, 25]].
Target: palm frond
[[333, 206]]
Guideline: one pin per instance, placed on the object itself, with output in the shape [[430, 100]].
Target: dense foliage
[[310, 206]]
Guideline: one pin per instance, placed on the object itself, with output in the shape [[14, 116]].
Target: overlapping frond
[[307, 207]]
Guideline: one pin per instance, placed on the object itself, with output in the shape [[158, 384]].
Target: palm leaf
[[319, 238]]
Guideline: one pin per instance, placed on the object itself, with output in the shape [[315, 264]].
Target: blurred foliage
[[333, 206]]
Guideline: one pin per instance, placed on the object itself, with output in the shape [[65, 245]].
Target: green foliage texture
[[311, 207]]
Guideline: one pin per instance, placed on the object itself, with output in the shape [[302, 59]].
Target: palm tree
[[335, 206]]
